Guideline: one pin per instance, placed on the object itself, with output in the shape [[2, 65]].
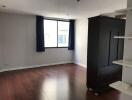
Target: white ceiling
[[62, 8]]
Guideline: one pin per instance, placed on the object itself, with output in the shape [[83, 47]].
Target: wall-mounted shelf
[[123, 63], [123, 37], [123, 87]]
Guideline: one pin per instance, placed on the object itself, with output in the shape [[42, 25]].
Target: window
[[63, 34], [56, 33], [50, 33]]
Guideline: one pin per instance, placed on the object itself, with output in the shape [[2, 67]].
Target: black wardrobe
[[103, 49]]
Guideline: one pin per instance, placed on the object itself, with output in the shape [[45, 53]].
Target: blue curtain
[[71, 35], [40, 47]]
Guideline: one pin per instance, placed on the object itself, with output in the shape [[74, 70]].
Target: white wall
[[81, 41], [18, 34], [127, 72]]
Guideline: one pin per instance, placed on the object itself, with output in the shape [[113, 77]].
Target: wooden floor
[[60, 82]]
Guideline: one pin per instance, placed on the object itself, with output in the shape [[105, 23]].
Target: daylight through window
[[56, 33]]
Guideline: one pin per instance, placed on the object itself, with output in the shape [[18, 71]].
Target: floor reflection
[[55, 88]]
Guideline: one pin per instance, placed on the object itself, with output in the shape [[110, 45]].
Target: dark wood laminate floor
[[60, 82]]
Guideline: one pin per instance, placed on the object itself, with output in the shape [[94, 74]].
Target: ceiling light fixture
[[3, 6], [78, 0]]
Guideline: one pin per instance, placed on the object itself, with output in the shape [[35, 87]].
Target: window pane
[[50, 31], [63, 34]]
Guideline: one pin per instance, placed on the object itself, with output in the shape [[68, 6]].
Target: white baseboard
[[32, 66], [80, 64]]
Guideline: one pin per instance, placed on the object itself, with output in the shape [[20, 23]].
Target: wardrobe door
[[104, 46], [93, 39], [113, 49], [116, 45], [121, 41]]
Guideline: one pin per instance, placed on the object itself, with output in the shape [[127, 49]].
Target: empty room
[[65, 49]]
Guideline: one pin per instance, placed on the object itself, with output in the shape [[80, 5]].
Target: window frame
[[63, 20]]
